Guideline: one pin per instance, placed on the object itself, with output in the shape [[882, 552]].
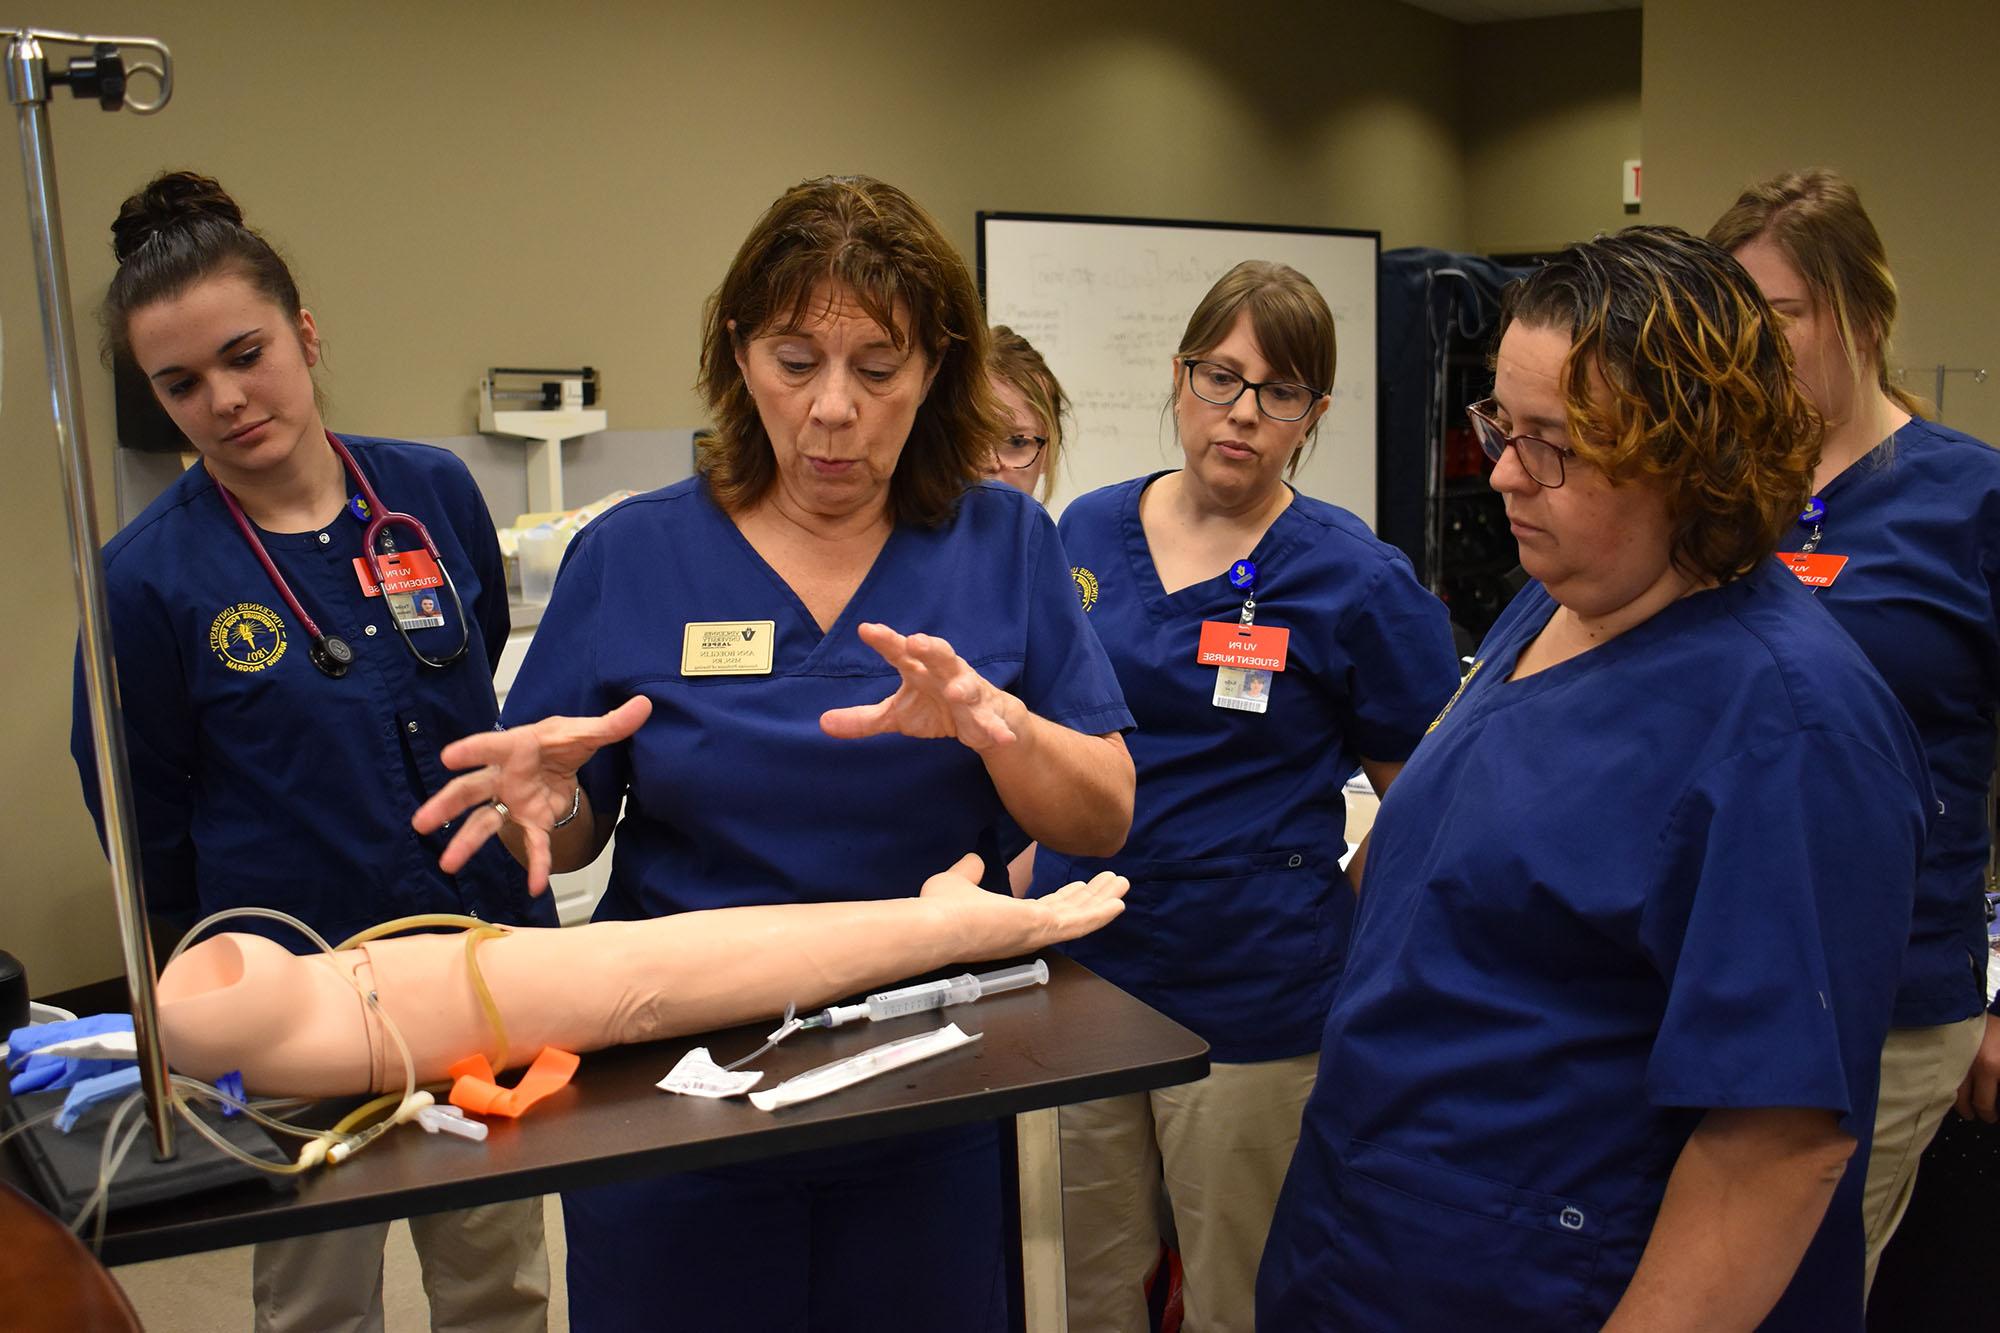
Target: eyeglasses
[[1541, 460], [1275, 399], [1020, 451]]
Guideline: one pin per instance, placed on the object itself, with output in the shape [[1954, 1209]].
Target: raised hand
[[998, 925], [941, 695], [531, 770]]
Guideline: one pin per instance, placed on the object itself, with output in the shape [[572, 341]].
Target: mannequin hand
[[1976, 1095], [941, 695], [995, 925], [531, 769]]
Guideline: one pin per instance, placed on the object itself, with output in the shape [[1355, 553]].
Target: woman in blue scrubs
[[1901, 542], [1237, 916], [280, 721], [717, 657], [1632, 917], [1032, 408]]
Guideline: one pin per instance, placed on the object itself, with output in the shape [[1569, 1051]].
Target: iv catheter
[[931, 995]]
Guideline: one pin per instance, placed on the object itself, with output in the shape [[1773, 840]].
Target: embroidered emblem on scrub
[[247, 637], [1086, 586]]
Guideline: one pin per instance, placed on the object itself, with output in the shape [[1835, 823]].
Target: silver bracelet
[[575, 804]]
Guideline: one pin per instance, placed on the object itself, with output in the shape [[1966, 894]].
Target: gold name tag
[[728, 647]]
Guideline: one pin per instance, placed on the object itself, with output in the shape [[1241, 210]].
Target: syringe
[[932, 995]]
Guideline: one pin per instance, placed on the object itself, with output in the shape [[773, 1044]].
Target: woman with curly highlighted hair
[[1901, 542], [1631, 918]]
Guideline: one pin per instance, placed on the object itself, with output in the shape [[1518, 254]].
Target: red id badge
[[402, 571], [1813, 569], [1256, 647]]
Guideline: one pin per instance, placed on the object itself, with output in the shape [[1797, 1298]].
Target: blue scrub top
[[1919, 522], [1237, 918], [733, 795], [1670, 874], [257, 779]]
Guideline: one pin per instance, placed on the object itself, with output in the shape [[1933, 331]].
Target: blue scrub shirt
[[1670, 874], [734, 796], [1237, 917], [257, 779], [1919, 522]]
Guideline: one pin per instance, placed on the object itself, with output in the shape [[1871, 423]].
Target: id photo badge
[[417, 610], [1245, 689]]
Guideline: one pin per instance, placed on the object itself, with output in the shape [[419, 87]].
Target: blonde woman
[[1034, 406], [1901, 542]]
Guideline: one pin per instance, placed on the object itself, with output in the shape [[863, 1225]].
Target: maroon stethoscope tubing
[[331, 653]]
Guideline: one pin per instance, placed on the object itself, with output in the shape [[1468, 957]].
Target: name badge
[[728, 647], [1253, 647], [1813, 569], [402, 571]]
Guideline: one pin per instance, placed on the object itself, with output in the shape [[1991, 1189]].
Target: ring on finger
[[500, 808]]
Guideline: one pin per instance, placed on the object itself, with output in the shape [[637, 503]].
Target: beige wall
[[1551, 113], [1904, 99], [468, 184]]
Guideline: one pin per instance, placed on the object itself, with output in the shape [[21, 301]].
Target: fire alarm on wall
[[1632, 182]]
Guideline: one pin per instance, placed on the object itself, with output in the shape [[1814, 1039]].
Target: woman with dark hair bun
[[771, 739], [285, 694], [1604, 1051]]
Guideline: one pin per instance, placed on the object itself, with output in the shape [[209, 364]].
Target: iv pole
[[100, 75]]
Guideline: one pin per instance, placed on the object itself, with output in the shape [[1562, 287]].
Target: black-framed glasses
[[1279, 400], [1540, 459], [1021, 451]]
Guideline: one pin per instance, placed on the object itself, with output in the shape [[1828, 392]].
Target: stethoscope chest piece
[[331, 654]]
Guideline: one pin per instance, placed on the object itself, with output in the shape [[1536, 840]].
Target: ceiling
[[1499, 11]]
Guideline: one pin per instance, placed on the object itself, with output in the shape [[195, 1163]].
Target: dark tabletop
[[1075, 1039]]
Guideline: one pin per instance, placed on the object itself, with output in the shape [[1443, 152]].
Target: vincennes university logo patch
[[247, 637], [1086, 586]]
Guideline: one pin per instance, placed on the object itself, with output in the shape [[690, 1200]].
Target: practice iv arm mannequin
[[295, 1026]]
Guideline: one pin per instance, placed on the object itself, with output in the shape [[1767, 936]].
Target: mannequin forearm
[[292, 1025]]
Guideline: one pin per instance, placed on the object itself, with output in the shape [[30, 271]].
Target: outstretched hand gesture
[[941, 695], [523, 774]]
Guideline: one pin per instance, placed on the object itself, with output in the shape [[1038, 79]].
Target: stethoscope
[[329, 652]]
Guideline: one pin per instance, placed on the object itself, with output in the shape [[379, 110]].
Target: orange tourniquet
[[473, 1088]]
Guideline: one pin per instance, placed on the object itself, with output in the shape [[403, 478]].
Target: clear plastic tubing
[[937, 994]]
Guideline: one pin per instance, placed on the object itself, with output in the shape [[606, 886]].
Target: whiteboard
[[1105, 301]]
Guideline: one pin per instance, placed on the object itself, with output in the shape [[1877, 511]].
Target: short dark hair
[[1678, 373], [878, 243]]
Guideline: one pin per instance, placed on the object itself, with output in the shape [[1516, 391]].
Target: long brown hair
[[874, 241], [1816, 218]]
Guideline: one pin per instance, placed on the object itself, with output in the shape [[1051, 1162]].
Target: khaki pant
[[1921, 1071], [1221, 1146], [486, 1270]]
